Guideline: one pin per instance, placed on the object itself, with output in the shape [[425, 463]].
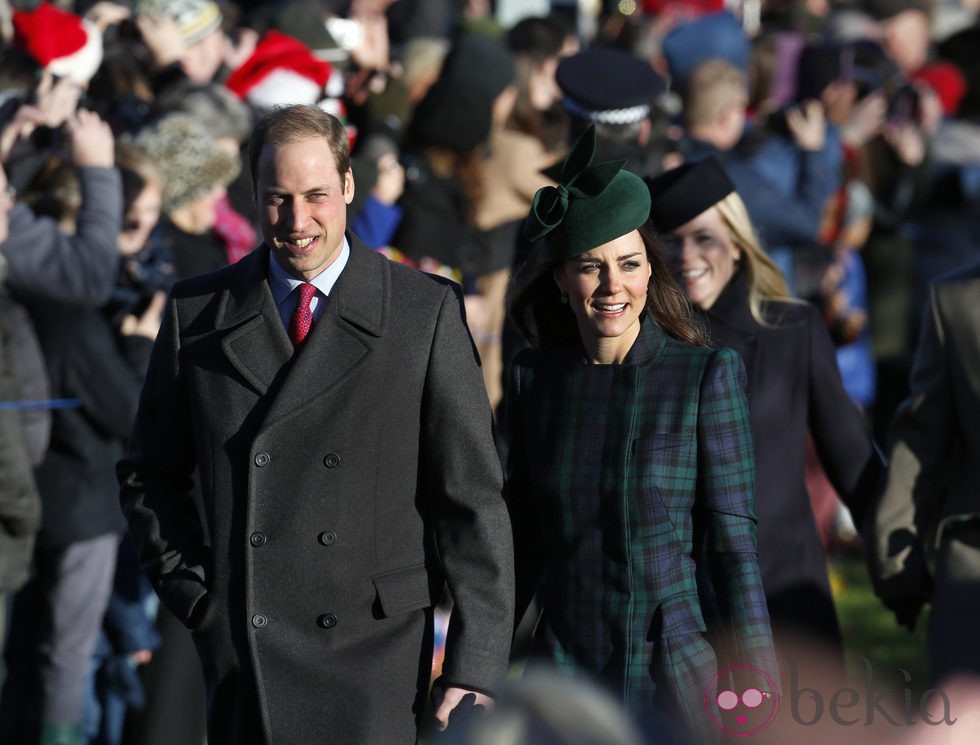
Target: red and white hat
[[281, 70], [62, 42]]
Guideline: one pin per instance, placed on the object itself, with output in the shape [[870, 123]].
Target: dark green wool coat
[[630, 486]]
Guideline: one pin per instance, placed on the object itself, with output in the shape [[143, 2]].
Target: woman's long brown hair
[[535, 302]]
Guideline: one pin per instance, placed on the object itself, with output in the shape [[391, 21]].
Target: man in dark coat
[[924, 530], [345, 474]]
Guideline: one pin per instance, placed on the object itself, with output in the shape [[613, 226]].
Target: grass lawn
[[871, 632]]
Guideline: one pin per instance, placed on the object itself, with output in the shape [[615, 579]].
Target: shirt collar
[[282, 284]]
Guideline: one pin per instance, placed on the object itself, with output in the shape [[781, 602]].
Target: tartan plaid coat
[[624, 483]]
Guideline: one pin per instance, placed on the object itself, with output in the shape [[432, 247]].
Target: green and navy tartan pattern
[[613, 470]]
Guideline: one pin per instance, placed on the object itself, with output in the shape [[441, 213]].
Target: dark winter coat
[[795, 387], [340, 483]]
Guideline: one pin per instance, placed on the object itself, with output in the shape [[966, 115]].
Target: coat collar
[[649, 344], [257, 344], [731, 309], [354, 295]]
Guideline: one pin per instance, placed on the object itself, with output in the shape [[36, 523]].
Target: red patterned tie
[[299, 324]]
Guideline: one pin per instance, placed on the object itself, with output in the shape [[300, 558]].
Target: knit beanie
[[195, 18]]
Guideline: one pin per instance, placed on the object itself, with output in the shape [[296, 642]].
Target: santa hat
[[64, 43], [281, 70], [947, 80]]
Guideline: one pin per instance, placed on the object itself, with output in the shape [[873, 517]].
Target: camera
[[903, 105]]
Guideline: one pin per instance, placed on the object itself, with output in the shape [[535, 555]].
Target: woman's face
[[703, 256], [607, 292], [141, 217]]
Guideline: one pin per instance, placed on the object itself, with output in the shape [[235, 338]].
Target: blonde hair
[[764, 279], [713, 87]]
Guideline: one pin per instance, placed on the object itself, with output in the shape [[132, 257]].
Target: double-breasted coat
[[620, 479], [794, 386], [341, 484], [924, 529]]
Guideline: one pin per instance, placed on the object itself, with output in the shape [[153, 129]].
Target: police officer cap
[[610, 86], [679, 195]]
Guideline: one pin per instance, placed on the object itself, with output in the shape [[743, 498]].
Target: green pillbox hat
[[592, 204]]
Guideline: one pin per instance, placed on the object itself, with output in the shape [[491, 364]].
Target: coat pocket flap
[[403, 590], [681, 614]]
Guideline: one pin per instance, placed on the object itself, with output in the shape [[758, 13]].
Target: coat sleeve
[[466, 507], [725, 509], [155, 477], [848, 453], [45, 263], [911, 498], [20, 504]]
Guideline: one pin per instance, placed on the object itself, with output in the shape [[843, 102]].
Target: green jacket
[[631, 489]]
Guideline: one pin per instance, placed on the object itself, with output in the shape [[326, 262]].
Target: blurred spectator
[[443, 153], [20, 504], [42, 263], [618, 93], [923, 548], [380, 182], [229, 122], [145, 267], [785, 197], [538, 45], [888, 143], [57, 615], [127, 640], [797, 150], [185, 39], [196, 173], [717, 35]]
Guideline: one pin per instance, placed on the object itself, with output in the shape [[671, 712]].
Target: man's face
[[302, 201], [202, 59]]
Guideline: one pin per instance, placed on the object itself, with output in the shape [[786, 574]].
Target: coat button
[[262, 459], [327, 537], [332, 460], [259, 621], [327, 621], [257, 539]]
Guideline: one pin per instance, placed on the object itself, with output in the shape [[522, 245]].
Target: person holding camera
[[42, 263], [94, 369]]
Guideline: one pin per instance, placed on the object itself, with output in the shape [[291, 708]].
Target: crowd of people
[[360, 351]]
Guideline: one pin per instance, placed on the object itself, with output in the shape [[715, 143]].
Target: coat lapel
[[256, 343], [731, 323], [343, 337]]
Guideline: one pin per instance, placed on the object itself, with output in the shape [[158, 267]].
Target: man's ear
[[349, 186]]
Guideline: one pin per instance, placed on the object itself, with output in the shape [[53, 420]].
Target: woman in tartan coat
[[794, 388], [630, 470]]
